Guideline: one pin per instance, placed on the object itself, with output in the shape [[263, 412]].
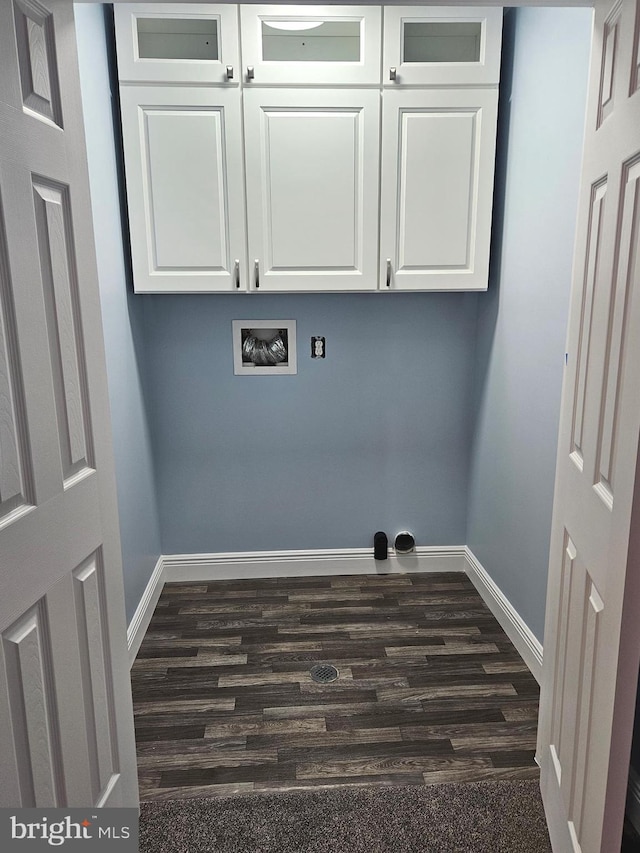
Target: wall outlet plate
[[318, 349]]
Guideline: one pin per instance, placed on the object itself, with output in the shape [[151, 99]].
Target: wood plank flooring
[[430, 688]]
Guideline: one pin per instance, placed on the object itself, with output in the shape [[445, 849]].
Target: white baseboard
[[512, 623], [348, 561], [633, 799], [271, 564], [144, 611]]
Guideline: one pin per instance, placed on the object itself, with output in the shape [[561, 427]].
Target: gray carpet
[[475, 817]]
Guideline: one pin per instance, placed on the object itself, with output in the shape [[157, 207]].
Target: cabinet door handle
[[388, 272], [256, 267], [393, 74], [236, 272], [229, 72], [250, 72]]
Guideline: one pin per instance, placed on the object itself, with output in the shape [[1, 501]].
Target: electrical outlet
[[317, 347]]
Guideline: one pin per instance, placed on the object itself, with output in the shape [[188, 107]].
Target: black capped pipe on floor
[[380, 545]]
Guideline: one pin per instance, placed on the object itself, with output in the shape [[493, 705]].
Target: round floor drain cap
[[324, 673]]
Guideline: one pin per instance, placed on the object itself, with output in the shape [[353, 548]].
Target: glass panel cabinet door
[[440, 45], [187, 43], [293, 45]]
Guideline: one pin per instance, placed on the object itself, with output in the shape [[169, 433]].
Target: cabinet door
[[185, 43], [312, 45], [312, 188], [183, 159], [441, 45], [438, 150]]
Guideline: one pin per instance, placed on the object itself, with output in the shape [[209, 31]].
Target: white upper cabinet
[[440, 45], [183, 159], [311, 45], [312, 188], [188, 43], [354, 181], [437, 184]]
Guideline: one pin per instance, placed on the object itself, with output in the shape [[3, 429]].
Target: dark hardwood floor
[[430, 687]]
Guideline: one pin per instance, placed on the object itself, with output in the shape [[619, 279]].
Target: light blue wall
[[380, 434], [374, 437], [139, 528], [522, 319]]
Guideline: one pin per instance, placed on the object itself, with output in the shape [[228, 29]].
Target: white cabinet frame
[[436, 222], [367, 70], [200, 199], [133, 68], [485, 72], [336, 200]]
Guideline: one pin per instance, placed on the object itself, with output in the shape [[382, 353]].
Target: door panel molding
[[592, 634], [35, 40], [34, 715], [598, 196], [97, 688], [60, 283], [16, 473], [63, 658]]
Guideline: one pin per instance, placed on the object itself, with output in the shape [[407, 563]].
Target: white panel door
[[311, 45], [66, 721], [185, 189], [312, 189], [438, 151], [592, 632], [440, 45], [171, 42]]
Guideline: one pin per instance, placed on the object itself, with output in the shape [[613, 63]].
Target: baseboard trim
[[513, 624], [144, 611], [633, 799], [271, 564], [348, 561]]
